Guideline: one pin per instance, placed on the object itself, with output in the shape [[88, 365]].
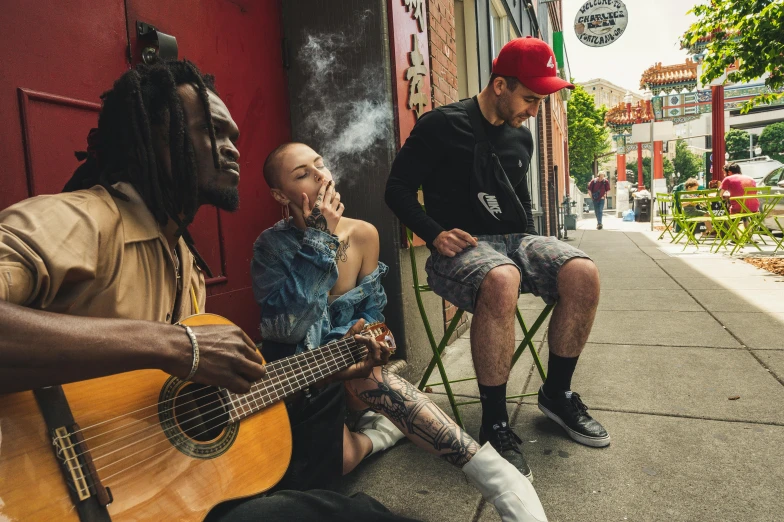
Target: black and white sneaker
[[571, 413], [507, 444]]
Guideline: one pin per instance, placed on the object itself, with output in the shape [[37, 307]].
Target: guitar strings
[[149, 447], [236, 402], [274, 365], [301, 381], [270, 376], [168, 400], [357, 353], [261, 393], [362, 351]]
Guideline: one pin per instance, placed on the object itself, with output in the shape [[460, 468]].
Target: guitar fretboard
[[287, 376]]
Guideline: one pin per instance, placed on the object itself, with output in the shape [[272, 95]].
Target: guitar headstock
[[377, 331]]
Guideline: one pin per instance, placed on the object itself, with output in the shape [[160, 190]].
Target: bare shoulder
[[359, 231]]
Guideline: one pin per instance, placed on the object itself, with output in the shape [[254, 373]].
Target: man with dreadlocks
[[92, 281]]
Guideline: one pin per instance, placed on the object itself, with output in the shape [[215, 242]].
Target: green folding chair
[[755, 222], [438, 347], [688, 225], [666, 204], [686, 229]]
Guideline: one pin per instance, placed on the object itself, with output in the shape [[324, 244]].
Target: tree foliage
[[738, 144], [646, 172], [749, 31], [587, 135], [667, 167], [686, 163], [772, 141]]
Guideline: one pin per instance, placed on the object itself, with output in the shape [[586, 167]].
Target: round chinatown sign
[[601, 22]]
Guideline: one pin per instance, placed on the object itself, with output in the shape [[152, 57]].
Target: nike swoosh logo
[[482, 197]]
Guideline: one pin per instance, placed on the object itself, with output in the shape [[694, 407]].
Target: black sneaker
[[507, 444], [570, 412], [599, 226]]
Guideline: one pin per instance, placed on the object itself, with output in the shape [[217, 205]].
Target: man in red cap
[[471, 159]]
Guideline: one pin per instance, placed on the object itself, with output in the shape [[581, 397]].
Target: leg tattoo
[[416, 415]]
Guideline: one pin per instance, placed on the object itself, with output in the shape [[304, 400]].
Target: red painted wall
[[49, 98]]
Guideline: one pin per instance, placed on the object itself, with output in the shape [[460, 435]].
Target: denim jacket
[[293, 271]]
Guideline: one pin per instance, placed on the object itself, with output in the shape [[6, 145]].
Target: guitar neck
[[287, 376]]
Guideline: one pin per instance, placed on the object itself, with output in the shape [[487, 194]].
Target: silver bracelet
[[195, 345]]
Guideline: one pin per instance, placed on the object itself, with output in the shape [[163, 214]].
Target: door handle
[[155, 43]]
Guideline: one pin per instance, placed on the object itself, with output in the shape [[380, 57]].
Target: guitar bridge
[[77, 464]]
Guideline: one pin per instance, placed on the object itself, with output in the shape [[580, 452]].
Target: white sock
[[383, 434]]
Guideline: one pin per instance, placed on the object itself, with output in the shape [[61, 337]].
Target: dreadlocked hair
[[122, 148]]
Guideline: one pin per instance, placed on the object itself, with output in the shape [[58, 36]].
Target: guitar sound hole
[[200, 412]]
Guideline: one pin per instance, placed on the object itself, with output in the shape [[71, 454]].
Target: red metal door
[[59, 57], [66, 53]]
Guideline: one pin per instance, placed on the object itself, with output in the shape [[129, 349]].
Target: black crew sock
[[493, 399], [559, 374]]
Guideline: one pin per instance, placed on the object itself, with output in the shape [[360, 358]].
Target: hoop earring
[[284, 211]]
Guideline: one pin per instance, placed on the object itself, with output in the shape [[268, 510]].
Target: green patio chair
[[438, 347], [755, 222], [688, 225], [732, 233], [666, 202]]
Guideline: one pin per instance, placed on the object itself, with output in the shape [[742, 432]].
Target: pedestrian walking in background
[[598, 188]]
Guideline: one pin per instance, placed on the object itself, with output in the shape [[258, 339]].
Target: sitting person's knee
[[579, 278], [501, 287]]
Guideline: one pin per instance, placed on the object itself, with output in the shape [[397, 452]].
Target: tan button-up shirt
[[86, 253]]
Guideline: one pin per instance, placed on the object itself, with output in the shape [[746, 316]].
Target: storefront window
[[533, 170], [499, 26]]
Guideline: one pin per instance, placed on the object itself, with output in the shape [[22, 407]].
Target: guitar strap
[[57, 413]]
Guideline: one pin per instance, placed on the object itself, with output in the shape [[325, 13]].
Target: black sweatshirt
[[438, 156]]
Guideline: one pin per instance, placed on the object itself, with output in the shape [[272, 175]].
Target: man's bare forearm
[[43, 349]]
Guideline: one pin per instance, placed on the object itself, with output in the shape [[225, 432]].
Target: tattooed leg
[[424, 423]]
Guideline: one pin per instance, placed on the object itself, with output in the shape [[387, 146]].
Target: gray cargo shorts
[[539, 259]]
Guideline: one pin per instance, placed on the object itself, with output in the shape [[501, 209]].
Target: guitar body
[[165, 460]]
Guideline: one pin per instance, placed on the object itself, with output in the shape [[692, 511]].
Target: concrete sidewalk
[[685, 369]]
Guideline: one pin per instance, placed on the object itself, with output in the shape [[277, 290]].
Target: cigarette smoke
[[347, 111]]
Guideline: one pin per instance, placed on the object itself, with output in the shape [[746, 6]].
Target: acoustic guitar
[[149, 446]]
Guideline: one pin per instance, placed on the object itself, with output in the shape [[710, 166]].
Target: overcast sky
[[652, 35]]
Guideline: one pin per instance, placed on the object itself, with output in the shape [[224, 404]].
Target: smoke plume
[[346, 111]]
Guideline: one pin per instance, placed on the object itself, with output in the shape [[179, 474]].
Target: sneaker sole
[[594, 442]]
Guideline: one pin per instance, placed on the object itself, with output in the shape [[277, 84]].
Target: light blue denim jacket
[[292, 273]]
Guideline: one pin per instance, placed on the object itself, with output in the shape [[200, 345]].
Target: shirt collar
[[138, 222]]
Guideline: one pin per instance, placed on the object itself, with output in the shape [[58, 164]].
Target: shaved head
[[272, 164]]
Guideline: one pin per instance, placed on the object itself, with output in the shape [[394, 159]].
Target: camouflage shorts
[[539, 258]]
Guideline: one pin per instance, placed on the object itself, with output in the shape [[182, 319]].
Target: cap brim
[[545, 84]]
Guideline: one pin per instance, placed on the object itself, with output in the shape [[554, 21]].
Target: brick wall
[[545, 155], [443, 75], [443, 62]]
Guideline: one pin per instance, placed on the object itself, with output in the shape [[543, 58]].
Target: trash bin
[[570, 222], [642, 209]]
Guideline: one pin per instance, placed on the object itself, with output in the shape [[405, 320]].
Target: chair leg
[[528, 340], [437, 362], [437, 350]]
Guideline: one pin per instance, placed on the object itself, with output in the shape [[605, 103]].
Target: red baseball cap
[[531, 61]]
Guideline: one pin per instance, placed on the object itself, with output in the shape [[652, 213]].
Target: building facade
[[349, 78], [607, 94]]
